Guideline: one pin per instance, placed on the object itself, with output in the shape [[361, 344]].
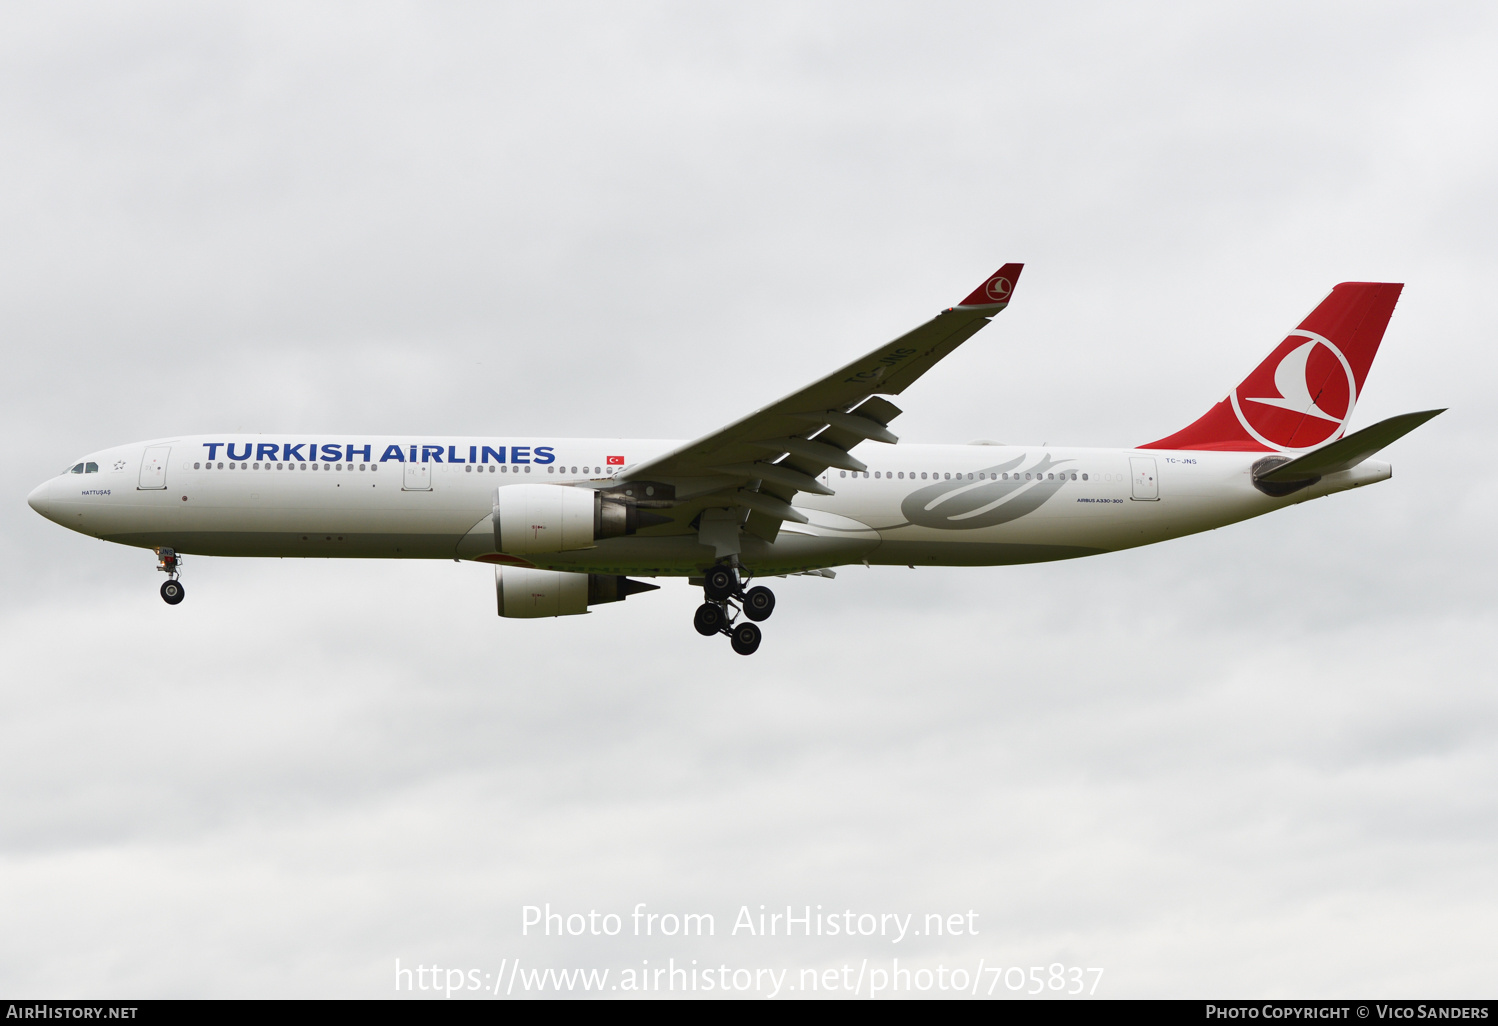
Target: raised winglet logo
[[1314, 402], [998, 289]]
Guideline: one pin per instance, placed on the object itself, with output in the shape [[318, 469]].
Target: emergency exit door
[[1146, 482], [418, 477], [153, 467]]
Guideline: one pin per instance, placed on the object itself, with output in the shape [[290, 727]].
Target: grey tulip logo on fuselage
[[965, 505]]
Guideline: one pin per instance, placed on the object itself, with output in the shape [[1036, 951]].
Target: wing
[[757, 464]]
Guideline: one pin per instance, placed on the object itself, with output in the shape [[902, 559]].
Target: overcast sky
[[1259, 762]]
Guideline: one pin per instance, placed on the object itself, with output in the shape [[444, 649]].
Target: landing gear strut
[[726, 599], [169, 563]]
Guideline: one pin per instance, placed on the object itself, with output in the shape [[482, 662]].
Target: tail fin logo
[[998, 289], [1316, 394]]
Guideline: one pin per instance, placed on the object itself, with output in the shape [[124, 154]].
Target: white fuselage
[[425, 498]]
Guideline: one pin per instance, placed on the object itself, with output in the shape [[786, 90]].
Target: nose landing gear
[[726, 598], [169, 563]]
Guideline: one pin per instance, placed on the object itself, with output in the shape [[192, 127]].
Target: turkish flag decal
[[616, 461]]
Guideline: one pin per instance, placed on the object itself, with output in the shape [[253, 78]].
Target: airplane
[[801, 486]]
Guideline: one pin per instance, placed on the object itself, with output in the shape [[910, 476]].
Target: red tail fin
[[1303, 394]]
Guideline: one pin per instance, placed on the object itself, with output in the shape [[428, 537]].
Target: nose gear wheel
[[169, 563]]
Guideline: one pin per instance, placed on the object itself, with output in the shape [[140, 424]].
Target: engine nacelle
[[556, 518], [527, 592]]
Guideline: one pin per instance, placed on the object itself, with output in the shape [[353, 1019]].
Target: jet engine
[[526, 592], [558, 518]]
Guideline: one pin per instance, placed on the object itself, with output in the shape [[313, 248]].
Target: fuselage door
[[1146, 481], [418, 477], [153, 467]]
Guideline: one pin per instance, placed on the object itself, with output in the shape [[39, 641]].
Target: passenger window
[[876, 474], [948, 477], [1084, 477], [195, 466]]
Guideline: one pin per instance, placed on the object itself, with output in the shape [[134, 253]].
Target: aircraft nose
[[37, 500]]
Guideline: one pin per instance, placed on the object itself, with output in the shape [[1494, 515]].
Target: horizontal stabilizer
[[1346, 453]]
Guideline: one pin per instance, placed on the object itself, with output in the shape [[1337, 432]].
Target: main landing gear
[[726, 598], [169, 563]]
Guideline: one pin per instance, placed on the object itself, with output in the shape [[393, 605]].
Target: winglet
[[997, 289]]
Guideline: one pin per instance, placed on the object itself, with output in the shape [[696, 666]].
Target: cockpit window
[[77, 468], [91, 468]]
